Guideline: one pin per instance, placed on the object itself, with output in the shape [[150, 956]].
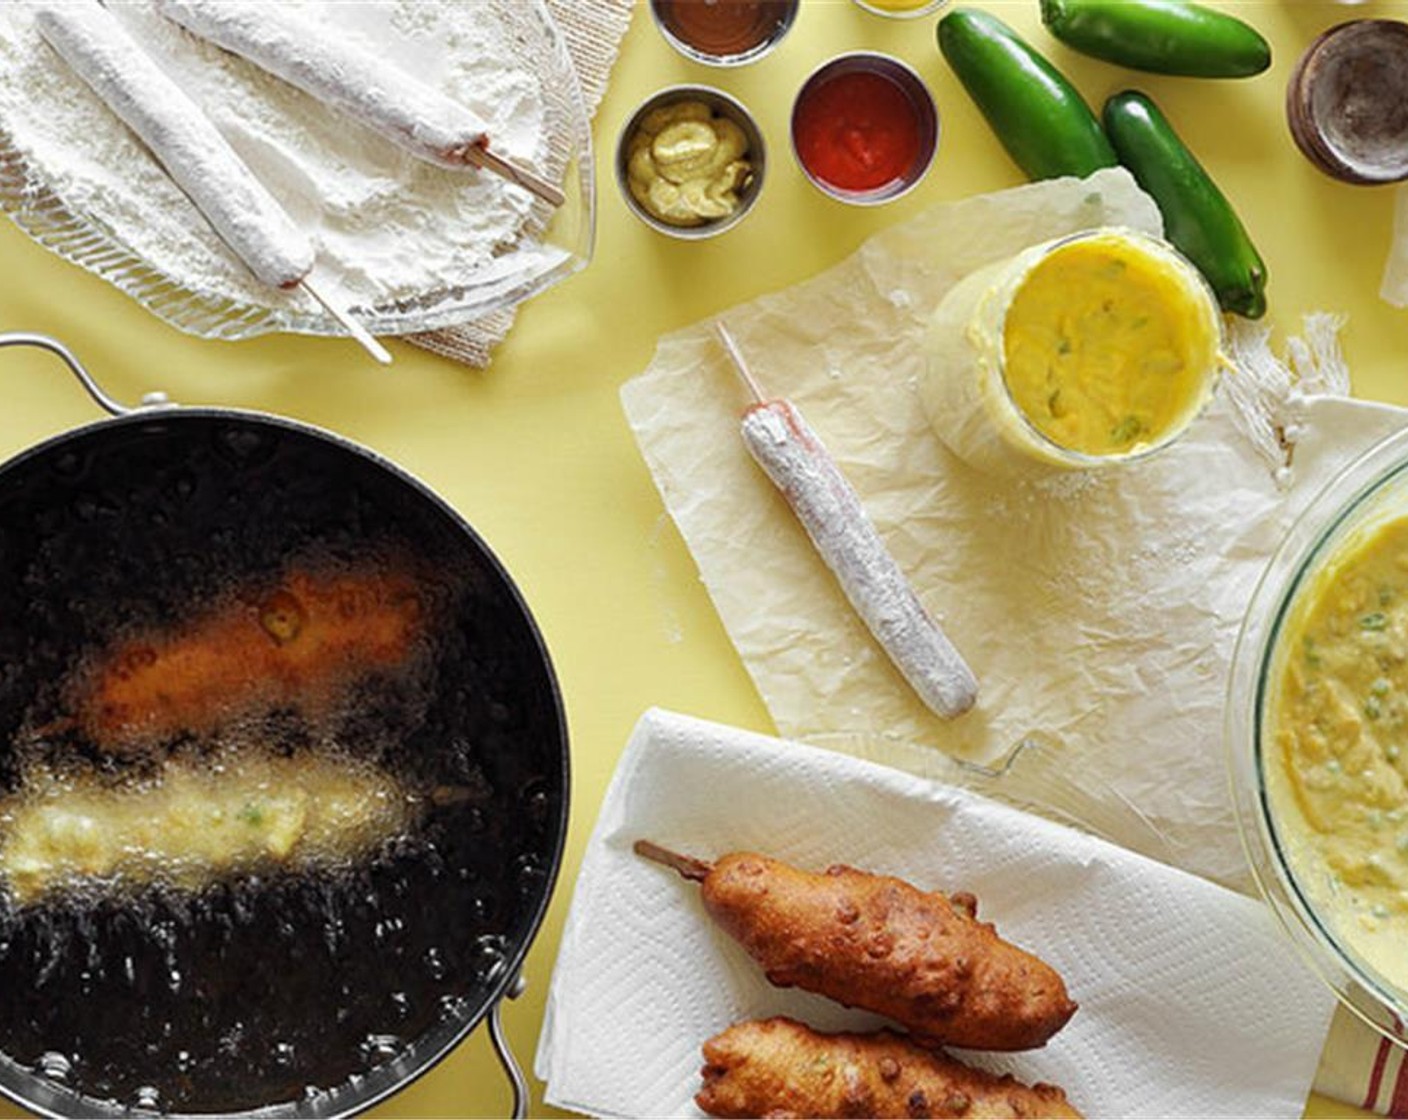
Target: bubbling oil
[[254, 990], [269, 981], [176, 985]]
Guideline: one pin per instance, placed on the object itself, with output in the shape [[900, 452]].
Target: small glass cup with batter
[[1086, 351]]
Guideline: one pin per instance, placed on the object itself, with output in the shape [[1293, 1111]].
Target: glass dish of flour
[[408, 246]]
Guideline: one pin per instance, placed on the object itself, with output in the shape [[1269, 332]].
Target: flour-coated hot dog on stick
[[830, 510], [416, 117], [247, 217], [199, 160]]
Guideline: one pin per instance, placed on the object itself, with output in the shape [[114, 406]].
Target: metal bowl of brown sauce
[[1347, 101]]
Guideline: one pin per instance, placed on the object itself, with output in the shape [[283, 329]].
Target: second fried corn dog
[[878, 943], [780, 1068]]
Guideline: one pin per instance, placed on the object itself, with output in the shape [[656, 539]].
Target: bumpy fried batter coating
[[875, 942], [779, 1068]]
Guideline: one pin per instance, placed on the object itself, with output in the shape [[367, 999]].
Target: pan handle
[[505, 1052], [54, 346]]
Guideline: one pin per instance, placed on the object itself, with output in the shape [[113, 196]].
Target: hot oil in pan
[[269, 983]]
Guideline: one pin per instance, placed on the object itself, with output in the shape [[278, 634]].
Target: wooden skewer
[[363, 336], [696, 870], [486, 160], [739, 365]]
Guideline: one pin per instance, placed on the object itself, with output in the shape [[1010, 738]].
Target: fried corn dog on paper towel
[[1191, 1001], [1097, 610]]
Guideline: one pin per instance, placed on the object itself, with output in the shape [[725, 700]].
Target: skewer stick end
[[740, 366], [480, 157], [363, 337], [696, 870]]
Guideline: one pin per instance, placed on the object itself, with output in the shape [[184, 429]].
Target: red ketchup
[[857, 131]]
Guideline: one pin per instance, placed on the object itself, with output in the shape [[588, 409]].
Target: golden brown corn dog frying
[[875, 942], [780, 1068], [294, 644]]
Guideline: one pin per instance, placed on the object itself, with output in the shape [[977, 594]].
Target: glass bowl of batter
[[1317, 735]]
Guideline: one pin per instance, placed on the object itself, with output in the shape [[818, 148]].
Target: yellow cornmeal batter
[[1338, 716], [1105, 347], [193, 821]]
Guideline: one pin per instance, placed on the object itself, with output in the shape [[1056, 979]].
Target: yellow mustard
[[686, 165], [1105, 348], [1339, 721]]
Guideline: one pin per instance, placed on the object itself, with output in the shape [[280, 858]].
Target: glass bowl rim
[[1316, 534]]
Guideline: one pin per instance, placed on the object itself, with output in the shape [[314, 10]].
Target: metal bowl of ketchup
[[864, 128]]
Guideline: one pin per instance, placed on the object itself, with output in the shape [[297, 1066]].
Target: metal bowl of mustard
[[690, 162], [1316, 731]]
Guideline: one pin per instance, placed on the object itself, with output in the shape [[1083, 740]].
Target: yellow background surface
[[535, 451]]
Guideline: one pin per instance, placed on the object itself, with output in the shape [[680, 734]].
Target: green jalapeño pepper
[[1164, 36], [1198, 219], [1044, 124]]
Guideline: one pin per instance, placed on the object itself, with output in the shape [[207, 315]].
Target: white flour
[[388, 227]]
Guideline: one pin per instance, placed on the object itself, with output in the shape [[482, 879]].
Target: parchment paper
[[1099, 610]]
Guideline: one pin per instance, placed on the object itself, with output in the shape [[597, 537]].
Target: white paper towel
[[1098, 609], [1191, 1003]]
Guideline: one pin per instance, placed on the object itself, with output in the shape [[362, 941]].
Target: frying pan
[[314, 993]]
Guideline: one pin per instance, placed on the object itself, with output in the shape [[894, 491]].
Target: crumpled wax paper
[[1191, 1002], [1099, 610]]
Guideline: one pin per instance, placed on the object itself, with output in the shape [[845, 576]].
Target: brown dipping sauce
[[723, 28], [1347, 101]]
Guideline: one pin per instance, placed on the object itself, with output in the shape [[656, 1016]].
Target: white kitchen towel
[[1394, 288], [1191, 1002]]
